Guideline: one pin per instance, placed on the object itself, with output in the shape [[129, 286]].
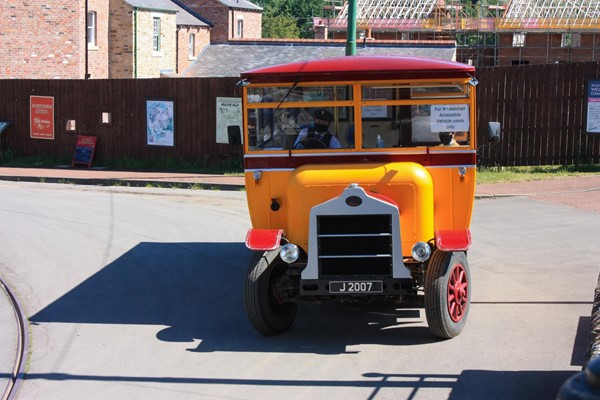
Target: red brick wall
[[545, 48], [224, 20], [202, 40], [42, 39], [98, 56], [252, 24]]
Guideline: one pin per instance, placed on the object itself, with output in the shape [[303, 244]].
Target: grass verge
[[520, 174]]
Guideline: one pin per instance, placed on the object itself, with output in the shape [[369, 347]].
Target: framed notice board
[[593, 107], [84, 150]]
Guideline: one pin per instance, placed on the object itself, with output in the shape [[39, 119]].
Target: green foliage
[[10, 159], [519, 174], [280, 26], [296, 14]]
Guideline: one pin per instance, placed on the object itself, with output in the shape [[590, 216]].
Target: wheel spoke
[[457, 292]]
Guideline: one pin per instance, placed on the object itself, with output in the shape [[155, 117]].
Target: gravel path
[[582, 192]]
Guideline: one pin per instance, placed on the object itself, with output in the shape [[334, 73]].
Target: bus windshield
[[358, 116]]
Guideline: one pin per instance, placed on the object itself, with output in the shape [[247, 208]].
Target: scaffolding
[[476, 27], [533, 14], [390, 10], [552, 14], [416, 15]]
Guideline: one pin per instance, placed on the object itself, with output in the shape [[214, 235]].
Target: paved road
[[137, 293]]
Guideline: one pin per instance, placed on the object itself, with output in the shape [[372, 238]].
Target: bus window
[[440, 124], [411, 115], [299, 128], [415, 125]]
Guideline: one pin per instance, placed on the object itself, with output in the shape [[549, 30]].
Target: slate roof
[[162, 5], [187, 17], [184, 16], [229, 60], [246, 5]]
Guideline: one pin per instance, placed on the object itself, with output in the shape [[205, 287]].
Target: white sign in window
[[450, 118]]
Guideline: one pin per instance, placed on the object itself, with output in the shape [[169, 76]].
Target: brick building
[[77, 39], [503, 33], [45, 39], [231, 19]]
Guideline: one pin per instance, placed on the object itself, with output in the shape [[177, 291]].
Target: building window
[[192, 45], [156, 34], [240, 28], [571, 40], [92, 29], [519, 39]]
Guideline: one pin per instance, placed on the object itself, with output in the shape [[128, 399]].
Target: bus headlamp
[[289, 253], [421, 251]]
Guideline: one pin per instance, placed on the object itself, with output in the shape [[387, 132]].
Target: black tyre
[[447, 293], [267, 309]]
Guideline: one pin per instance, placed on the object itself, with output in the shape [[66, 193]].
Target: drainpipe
[[351, 35], [86, 74], [135, 73]]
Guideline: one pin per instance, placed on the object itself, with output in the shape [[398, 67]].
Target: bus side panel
[[453, 197]]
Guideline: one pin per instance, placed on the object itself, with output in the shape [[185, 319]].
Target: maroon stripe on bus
[[292, 162]]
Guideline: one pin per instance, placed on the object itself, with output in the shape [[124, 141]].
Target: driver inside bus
[[318, 137]]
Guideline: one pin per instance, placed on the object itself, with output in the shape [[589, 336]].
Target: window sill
[[157, 54]]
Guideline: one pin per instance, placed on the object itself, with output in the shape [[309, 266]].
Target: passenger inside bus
[[447, 139]]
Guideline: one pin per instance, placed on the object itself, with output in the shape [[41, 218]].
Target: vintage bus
[[360, 180]]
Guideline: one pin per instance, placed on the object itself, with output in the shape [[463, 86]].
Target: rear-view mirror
[[494, 132], [234, 135]]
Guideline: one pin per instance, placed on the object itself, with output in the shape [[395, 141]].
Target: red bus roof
[[360, 68]]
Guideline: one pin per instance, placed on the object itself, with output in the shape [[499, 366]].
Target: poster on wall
[[160, 122], [41, 117], [229, 114], [593, 107]]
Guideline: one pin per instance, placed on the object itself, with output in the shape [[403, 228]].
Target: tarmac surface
[[581, 192]]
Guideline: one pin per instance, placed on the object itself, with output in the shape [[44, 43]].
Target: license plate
[[357, 287]]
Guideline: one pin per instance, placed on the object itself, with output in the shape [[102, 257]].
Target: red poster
[[41, 119]]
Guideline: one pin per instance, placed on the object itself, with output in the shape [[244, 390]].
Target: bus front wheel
[[447, 293], [269, 310]]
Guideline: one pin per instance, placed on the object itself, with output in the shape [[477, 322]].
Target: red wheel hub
[[458, 292]]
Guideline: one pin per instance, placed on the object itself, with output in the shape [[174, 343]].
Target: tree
[[280, 26], [281, 16]]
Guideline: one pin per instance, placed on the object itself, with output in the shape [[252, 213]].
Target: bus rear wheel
[[447, 293], [269, 309]]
